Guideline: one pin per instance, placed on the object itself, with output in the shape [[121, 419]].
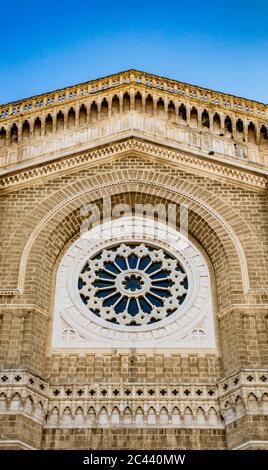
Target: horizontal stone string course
[[140, 148], [175, 405]]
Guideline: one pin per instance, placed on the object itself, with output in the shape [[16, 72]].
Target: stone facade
[[135, 138]]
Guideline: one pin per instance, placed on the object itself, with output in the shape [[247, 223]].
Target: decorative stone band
[[15, 443], [244, 392], [252, 445], [184, 158], [131, 405], [104, 405], [189, 324]]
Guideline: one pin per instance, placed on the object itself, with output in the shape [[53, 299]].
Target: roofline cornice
[[159, 83]]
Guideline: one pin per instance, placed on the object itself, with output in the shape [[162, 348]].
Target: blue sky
[[52, 44]]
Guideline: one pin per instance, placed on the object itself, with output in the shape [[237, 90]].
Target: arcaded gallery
[[134, 279]]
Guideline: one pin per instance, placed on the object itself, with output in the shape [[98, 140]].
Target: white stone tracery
[[133, 284], [185, 316]]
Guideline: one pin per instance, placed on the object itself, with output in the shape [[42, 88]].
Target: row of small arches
[[224, 125], [16, 403], [238, 407], [115, 417], [112, 416]]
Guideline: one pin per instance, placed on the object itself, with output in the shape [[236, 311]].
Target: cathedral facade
[[134, 278]]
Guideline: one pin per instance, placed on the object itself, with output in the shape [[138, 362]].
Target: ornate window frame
[[75, 326]]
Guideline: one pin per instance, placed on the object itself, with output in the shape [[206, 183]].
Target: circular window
[[133, 284]]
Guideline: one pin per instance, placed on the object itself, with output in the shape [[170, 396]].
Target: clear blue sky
[[221, 45]]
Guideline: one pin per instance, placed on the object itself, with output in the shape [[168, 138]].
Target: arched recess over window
[[138, 102], [25, 130], [182, 113], [205, 119], [217, 124], [160, 108], [171, 111], [115, 105], [60, 121], [48, 124], [126, 102], [2, 137], [37, 127], [71, 119], [82, 115], [252, 138], [104, 108], [193, 117], [263, 135], [239, 129], [93, 112], [122, 291], [149, 105], [14, 133], [228, 127]]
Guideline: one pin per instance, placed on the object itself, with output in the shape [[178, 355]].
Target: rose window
[[133, 284]]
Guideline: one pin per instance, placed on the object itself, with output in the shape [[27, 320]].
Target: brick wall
[[134, 439], [25, 321]]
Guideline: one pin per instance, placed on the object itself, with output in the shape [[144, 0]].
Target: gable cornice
[[140, 147]]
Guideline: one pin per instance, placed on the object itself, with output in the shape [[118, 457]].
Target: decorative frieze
[[244, 392], [241, 174], [134, 404]]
